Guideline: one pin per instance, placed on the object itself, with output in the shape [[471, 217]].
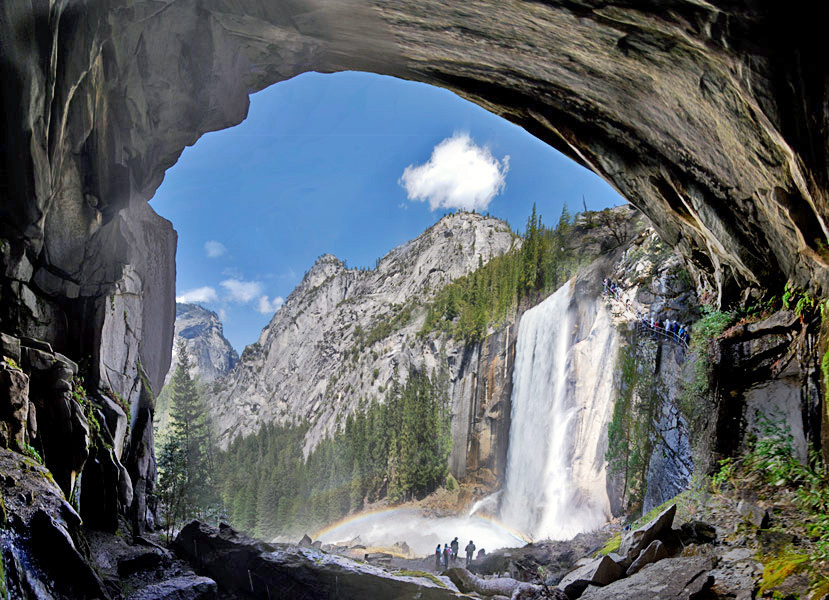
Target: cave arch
[[710, 117]]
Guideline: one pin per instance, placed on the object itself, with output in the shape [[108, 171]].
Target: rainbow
[[366, 518]]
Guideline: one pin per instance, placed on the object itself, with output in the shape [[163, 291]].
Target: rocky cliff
[[710, 117], [200, 335], [345, 335]]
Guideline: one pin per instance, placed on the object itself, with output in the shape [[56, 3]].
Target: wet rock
[[143, 561], [246, 568], [62, 560], [187, 587], [14, 407], [671, 579], [305, 542], [654, 552], [759, 517], [99, 493], [599, 571], [634, 542], [317, 544]]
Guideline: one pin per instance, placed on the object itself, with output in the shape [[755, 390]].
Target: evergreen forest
[[262, 484]]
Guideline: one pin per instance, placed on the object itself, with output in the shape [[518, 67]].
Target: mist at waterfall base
[[555, 482], [420, 531]]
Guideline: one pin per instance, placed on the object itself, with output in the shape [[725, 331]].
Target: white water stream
[[561, 401]]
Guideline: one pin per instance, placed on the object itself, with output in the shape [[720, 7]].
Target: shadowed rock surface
[[710, 117], [246, 568]]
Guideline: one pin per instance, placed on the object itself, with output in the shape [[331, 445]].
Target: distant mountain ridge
[[345, 335], [200, 333]]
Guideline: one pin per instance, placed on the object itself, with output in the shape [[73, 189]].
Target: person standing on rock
[[437, 558], [470, 551], [446, 553], [454, 545]]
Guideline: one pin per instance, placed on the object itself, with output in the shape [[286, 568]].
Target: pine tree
[[185, 457]]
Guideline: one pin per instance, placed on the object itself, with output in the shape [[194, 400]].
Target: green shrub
[[451, 483], [773, 457], [704, 333]]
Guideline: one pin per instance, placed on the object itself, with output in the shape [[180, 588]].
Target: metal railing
[[644, 325]]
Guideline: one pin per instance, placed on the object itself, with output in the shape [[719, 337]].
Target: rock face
[[43, 547], [711, 117], [344, 335], [248, 569], [480, 394], [199, 333]]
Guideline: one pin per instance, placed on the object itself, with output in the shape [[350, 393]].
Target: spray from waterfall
[[562, 391]]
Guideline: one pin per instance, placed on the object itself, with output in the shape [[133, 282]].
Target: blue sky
[[318, 167]]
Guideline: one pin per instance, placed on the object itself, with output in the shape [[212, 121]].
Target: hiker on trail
[[604, 282], [470, 550], [446, 553], [437, 558], [454, 545]]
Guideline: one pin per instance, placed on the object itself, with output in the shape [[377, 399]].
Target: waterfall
[[561, 402]]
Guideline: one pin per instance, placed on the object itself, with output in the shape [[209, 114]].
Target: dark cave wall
[[710, 118]]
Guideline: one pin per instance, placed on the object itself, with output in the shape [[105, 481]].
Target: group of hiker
[[673, 329], [450, 552]]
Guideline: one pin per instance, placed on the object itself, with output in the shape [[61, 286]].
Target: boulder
[[305, 542], [469, 583], [10, 346], [142, 561], [684, 578], [751, 513], [633, 542], [600, 571], [245, 568], [697, 532], [528, 591], [317, 544], [62, 560], [186, 587], [655, 551], [14, 407]]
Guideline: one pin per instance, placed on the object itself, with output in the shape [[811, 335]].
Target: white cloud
[[202, 294], [459, 174], [268, 307], [242, 291], [222, 315], [232, 272], [214, 249]]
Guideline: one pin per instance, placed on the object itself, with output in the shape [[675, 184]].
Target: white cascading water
[[561, 402]]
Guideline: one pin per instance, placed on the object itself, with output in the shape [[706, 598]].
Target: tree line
[[397, 449], [468, 306]]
